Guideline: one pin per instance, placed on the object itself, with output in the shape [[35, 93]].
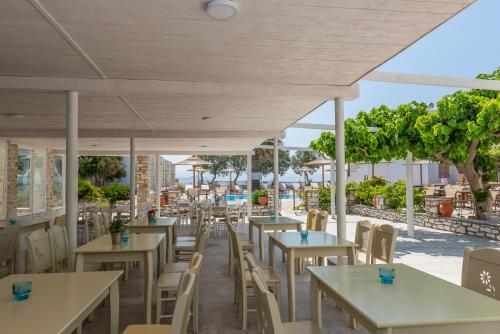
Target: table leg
[[291, 284], [170, 237], [114, 307], [315, 300], [148, 284], [261, 242], [161, 257], [80, 262], [283, 253], [271, 253], [250, 230]]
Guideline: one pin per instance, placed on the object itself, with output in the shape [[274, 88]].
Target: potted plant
[[116, 228], [259, 197]]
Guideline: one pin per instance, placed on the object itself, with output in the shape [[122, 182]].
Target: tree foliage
[[266, 165], [239, 163], [463, 131], [300, 159], [101, 170], [219, 162]]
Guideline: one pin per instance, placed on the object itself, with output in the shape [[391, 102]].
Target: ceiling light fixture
[[204, 118], [203, 146], [222, 10], [16, 116], [94, 145]]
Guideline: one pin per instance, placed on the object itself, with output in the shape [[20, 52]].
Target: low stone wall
[[262, 210], [312, 199], [478, 228]]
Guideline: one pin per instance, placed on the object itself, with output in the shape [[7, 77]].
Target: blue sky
[[464, 46]]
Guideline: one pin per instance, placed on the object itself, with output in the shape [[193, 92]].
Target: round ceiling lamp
[[222, 10]]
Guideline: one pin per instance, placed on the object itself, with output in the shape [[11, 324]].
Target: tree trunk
[[476, 185], [236, 177]]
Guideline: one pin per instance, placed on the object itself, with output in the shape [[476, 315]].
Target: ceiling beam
[[430, 80], [127, 87], [313, 126], [150, 152], [61, 133], [288, 148]]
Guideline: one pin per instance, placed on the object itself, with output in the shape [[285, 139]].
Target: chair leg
[[158, 305], [244, 309], [352, 322], [195, 311]]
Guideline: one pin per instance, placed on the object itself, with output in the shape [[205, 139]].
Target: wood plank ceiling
[[288, 42]]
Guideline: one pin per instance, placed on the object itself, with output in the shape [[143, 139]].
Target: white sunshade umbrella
[[321, 161], [229, 170], [193, 161]]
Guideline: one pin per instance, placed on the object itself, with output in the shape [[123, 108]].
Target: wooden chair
[[39, 251], [232, 215], [59, 247], [268, 276], [481, 271], [99, 229], [169, 283], [8, 243], [383, 243], [246, 245], [364, 239], [181, 315], [268, 314], [60, 220], [311, 219], [200, 218], [180, 267], [321, 221], [183, 250]]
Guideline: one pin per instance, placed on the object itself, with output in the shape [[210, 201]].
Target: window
[[3, 181], [39, 182], [23, 200], [58, 181]]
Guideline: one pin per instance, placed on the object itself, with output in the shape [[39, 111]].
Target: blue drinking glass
[[21, 290], [124, 239], [386, 275], [304, 234], [12, 221], [273, 219]]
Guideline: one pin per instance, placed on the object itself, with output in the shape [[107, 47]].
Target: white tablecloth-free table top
[[164, 225], [417, 302], [58, 302]]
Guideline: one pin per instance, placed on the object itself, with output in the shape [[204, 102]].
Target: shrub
[[325, 199], [350, 186], [368, 189], [116, 192], [258, 193], [396, 196], [89, 192], [117, 226]]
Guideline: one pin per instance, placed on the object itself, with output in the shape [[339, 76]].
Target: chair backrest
[[60, 220], [312, 214], [384, 243], [237, 250], [106, 216], [8, 242], [205, 204], [268, 314], [59, 245], [481, 271], [364, 237], [40, 254], [95, 219], [321, 221], [252, 265], [181, 315], [201, 239]]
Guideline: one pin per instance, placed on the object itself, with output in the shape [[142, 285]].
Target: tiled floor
[[436, 252]]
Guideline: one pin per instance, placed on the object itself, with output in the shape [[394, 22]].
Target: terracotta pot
[[116, 238], [446, 208], [262, 200]]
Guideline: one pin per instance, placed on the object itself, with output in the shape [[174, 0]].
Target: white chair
[[99, 229], [59, 245], [383, 243], [39, 251], [481, 271], [364, 240], [8, 242], [181, 315]]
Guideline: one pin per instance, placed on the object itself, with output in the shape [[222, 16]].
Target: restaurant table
[[140, 247], [317, 244], [416, 302], [267, 223], [164, 225], [58, 302]]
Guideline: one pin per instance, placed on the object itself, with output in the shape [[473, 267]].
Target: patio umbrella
[[199, 170], [321, 161], [193, 161], [306, 170], [229, 170]]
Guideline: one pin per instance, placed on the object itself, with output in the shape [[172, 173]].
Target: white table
[[416, 303], [164, 225], [266, 223], [58, 302], [140, 247], [318, 244]]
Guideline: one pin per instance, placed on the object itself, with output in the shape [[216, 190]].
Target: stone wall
[[312, 199], [167, 174], [49, 180], [473, 227], [262, 210], [11, 180], [143, 179]]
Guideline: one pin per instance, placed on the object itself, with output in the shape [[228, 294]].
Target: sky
[[466, 45]]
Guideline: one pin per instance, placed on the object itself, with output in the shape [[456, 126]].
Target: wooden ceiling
[[292, 43]]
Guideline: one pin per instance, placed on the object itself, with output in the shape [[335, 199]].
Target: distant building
[[167, 173]]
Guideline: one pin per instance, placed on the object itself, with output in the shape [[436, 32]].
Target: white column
[[249, 184], [332, 188], [340, 164], [158, 185], [276, 177], [71, 194], [409, 195], [132, 179]]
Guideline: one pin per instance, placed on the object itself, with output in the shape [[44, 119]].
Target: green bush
[[325, 199], [116, 192], [350, 186], [368, 189], [89, 192], [396, 196], [258, 193]]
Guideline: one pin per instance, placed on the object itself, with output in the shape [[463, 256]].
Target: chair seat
[[176, 267], [300, 327], [269, 276], [247, 245], [185, 239], [184, 245], [332, 261], [148, 329], [169, 280]]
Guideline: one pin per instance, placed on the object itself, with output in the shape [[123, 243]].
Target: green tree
[[266, 165], [300, 159], [219, 162], [101, 170], [239, 163]]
